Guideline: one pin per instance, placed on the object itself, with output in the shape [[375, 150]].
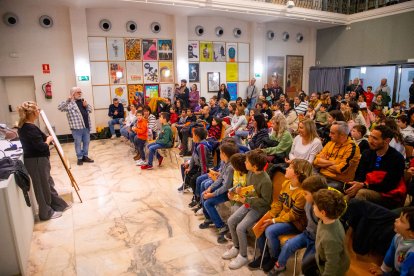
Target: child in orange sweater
[[141, 129]]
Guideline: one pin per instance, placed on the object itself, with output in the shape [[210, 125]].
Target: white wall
[[4, 103], [35, 46], [278, 47]]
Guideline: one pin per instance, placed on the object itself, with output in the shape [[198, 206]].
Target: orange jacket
[[141, 129]]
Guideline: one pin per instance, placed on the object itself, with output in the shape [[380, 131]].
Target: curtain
[[329, 78]]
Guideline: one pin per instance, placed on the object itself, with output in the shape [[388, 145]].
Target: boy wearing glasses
[[379, 176]]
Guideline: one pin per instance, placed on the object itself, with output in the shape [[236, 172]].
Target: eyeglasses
[[377, 161]]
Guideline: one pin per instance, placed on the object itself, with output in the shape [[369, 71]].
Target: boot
[[137, 157]]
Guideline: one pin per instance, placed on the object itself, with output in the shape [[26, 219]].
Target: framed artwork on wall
[[134, 72], [193, 51], [213, 79], [165, 49], [117, 72], [151, 72], [115, 47], [149, 49], [232, 88], [206, 51], [219, 49], [133, 49], [232, 72], [193, 72], [136, 94], [167, 91], [231, 52], [294, 73], [166, 71], [275, 70], [151, 90], [97, 49], [120, 92]]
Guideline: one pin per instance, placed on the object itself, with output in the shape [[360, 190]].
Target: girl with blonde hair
[[36, 159]]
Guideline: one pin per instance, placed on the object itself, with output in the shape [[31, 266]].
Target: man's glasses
[[377, 161]]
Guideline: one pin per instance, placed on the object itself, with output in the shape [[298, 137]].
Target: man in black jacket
[[116, 112]]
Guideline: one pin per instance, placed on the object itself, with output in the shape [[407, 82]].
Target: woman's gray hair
[[343, 127]]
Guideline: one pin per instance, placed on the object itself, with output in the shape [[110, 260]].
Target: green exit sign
[[83, 78], [257, 75]]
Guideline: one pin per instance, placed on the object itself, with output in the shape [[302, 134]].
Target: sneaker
[[67, 207], [206, 224], [181, 188], [160, 161], [199, 212], [223, 230], [221, 239], [56, 215], [140, 162], [193, 203], [113, 136], [279, 268], [146, 167], [80, 162], [238, 262], [137, 157], [255, 264], [267, 266], [86, 159], [231, 253]]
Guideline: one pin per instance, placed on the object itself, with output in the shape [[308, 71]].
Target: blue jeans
[[139, 145], [111, 123], [294, 244], [124, 131], [153, 150], [210, 211], [199, 180], [272, 234], [240, 134], [82, 138], [252, 103]]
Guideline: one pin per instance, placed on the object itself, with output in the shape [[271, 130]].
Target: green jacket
[[285, 143], [165, 137]]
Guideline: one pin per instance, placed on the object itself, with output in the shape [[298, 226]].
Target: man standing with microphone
[[77, 111]]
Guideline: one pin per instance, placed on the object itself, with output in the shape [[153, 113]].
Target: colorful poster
[[232, 88], [231, 52], [149, 49], [219, 51], [115, 48], [133, 49], [193, 51], [134, 72], [206, 51], [151, 90], [193, 72], [150, 72], [166, 71], [136, 94], [232, 72], [167, 91], [275, 70], [294, 73], [120, 92], [165, 49], [117, 72]]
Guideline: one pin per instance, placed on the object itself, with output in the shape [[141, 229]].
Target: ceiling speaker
[[299, 37], [270, 35], [131, 26], [46, 21], [155, 27], [285, 36], [219, 31], [10, 19], [105, 25], [237, 32], [199, 30]]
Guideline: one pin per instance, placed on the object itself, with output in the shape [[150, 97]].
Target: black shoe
[[86, 159], [206, 224], [256, 263], [223, 230], [198, 208], [193, 203], [80, 162], [221, 239], [269, 265], [181, 188]]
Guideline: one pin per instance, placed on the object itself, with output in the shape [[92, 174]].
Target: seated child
[[399, 259], [239, 178], [214, 132], [287, 214], [217, 192], [173, 116], [164, 140], [252, 209], [141, 130], [321, 118], [331, 255]]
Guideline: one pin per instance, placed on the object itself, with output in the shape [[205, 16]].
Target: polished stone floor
[[131, 222]]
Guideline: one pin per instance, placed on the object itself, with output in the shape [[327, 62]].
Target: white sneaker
[[231, 253], [140, 162], [113, 136], [238, 262], [56, 215]]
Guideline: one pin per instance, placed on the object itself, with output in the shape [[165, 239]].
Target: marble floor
[[131, 222]]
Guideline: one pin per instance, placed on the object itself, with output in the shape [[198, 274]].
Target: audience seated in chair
[[116, 112]]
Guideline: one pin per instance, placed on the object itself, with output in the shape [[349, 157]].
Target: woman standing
[[223, 93], [36, 159], [194, 97]]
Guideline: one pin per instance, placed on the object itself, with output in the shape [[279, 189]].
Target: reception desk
[[16, 229]]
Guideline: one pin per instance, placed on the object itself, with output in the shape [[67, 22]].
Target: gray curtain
[[329, 78]]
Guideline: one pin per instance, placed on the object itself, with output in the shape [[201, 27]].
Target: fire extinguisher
[[47, 89]]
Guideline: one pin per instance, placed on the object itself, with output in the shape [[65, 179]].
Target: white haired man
[[77, 111]]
